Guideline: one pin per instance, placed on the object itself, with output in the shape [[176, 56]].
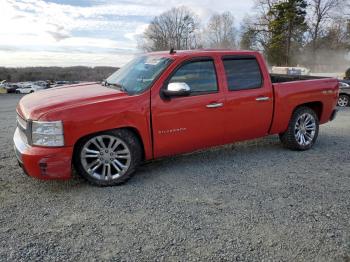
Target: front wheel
[[302, 130], [108, 158]]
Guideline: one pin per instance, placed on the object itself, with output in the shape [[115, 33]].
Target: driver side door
[[186, 123]]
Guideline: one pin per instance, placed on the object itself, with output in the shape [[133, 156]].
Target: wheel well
[[344, 94], [131, 129], [137, 134], [317, 107]]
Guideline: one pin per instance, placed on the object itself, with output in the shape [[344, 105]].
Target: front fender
[[128, 112]]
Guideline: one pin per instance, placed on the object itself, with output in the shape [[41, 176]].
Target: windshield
[[137, 75]]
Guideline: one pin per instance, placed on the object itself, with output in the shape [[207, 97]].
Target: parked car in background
[[11, 88], [63, 83], [32, 86], [44, 84], [2, 83], [344, 93], [2, 87], [29, 88], [162, 104], [290, 70]]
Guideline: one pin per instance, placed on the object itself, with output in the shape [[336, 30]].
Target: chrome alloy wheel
[[305, 129], [343, 101], [105, 157]]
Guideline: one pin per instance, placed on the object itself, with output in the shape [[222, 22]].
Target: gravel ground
[[253, 201]]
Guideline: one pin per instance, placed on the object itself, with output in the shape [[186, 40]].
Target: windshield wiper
[[119, 86]]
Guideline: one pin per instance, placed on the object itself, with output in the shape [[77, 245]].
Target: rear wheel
[[343, 101], [302, 130], [108, 158]]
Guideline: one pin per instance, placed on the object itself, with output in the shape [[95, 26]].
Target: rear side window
[[200, 76], [242, 73]]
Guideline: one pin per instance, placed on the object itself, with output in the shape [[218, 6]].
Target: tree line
[[74, 73], [312, 33]]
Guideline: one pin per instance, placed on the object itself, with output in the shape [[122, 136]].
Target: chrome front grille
[[21, 123], [22, 128]]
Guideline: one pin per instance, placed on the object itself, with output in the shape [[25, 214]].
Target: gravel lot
[[246, 202]]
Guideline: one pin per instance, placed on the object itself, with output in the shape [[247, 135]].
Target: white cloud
[[35, 29], [43, 58], [138, 31]]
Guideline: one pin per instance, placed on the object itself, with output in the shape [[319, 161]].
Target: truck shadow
[[242, 155], [259, 152]]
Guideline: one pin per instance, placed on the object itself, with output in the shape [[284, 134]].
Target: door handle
[[262, 98], [214, 105]]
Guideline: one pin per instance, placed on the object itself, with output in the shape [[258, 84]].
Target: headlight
[[47, 133]]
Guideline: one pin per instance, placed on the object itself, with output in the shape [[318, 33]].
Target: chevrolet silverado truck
[[162, 104]]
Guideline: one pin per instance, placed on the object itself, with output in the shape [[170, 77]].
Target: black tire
[[130, 140], [343, 100], [289, 139]]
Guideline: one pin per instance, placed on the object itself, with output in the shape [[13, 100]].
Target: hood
[[35, 105]]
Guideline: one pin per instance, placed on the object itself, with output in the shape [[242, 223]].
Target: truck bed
[[279, 78], [292, 91]]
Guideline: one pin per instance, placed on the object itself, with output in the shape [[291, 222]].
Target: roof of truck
[[181, 53]]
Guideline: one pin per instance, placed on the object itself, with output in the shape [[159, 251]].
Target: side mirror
[[177, 89]]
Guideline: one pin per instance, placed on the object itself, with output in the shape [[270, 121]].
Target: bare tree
[[248, 37], [254, 36], [176, 28], [263, 8], [255, 33], [321, 11], [221, 31]]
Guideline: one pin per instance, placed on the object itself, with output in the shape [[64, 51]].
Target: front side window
[[137, 75], [242, 73], [200, 76]]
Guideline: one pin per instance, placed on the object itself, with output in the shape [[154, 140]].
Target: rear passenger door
[[249, 100]]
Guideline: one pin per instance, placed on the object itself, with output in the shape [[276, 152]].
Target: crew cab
[[162, 104]]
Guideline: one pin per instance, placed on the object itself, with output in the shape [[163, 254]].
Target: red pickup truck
[[162, 104]]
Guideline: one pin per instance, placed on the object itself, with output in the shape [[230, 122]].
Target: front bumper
[[43, 162]]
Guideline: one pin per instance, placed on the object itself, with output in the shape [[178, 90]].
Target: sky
[[87, 32]]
